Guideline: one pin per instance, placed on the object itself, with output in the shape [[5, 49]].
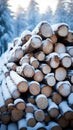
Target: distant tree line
[[11, 26]]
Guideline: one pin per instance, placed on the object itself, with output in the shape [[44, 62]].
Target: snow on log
[[12, 126]]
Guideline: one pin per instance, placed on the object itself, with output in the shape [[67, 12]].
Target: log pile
[[37, 89]]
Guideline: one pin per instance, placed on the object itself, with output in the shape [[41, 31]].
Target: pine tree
[[33, 14], [6, 29]]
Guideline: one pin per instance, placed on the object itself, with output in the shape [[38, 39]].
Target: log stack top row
[[37, 89]]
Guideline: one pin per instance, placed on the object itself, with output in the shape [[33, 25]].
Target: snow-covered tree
[[20, 21], [32, 14], [6, 29]]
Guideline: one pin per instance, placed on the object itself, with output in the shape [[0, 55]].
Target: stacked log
[[37, 89]]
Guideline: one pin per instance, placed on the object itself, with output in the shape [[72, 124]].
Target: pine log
[[43, 29], [33, 43], [45, 68], [64, 88], [69, 37], [28, 70], [21, 83], [42, 101], [53, 126], [30, 120], [65, 60], [25, 58], [47, 118], [22, 124], [61, 29], [12, 88], [6, 94], [5, 117], [50, 79], [34, 62], [3, 127], [53, 60], [38, 76], [12, 126], [25, 36], [16, 115], [47, 46], [39, 115], [40, 56], [56, 97], [20, 104], [5, 71], [70, 100], [65, 110], [2, 102], [31, 99], [15, 54], [17, 42], [39, 126], [53, 109], [60, 73], [70, 75], [60, 48], [29, 108], [34, 88], [19, 70], [62, 121], [11, 66], [46, 90], [70, 50], [54, 38], [10, 107]]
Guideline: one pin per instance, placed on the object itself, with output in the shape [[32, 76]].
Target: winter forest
[[12, 25]]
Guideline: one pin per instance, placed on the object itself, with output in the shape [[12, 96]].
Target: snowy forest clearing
[[37, 84]]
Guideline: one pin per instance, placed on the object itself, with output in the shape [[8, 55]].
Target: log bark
[[12, 126], [34, 88], [39, 115], [42, 101], [6, 94], [70, 50], [61, 29], [30, 120], [70, 100], [60, 73], [15, 54], [53, 109], [69, 37], [22, 124], [64, 88], [66, 111], [60, 48], [46, 90], [12, 88], [47, 46], [11, 66], [33, 43], [34, 62], [38, 76], [62, 121], [53, 60], [21, 83], [40, 56], [43, 29], [50, 79], [45, 68], [56, 97], [53, 126], [65, 60], [20, 104]]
